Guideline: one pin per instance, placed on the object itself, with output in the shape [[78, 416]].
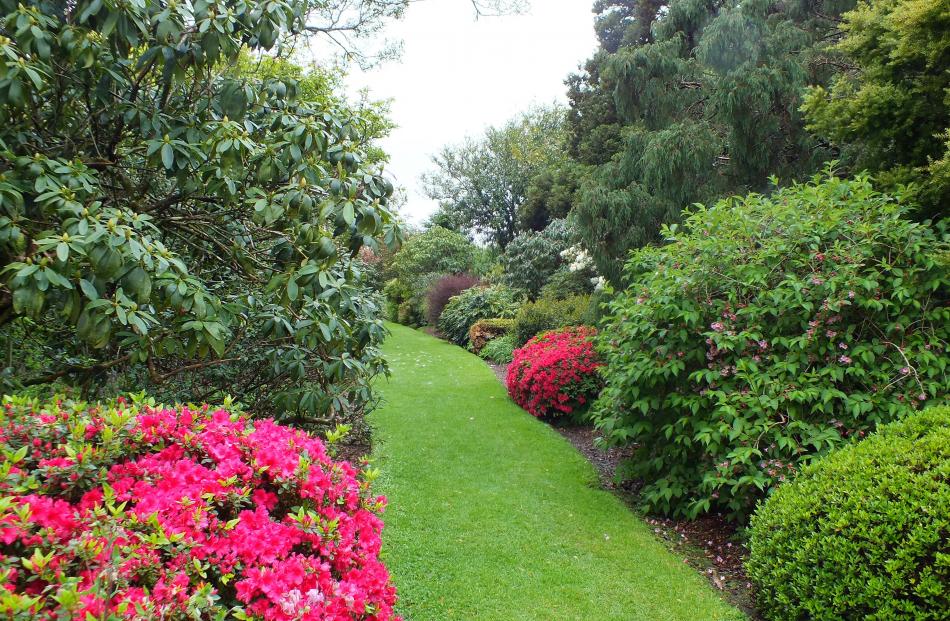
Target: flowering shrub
[[771, 330], [130, 511], [556, 372]]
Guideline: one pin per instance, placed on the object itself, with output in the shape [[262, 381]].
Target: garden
[[677, 348]]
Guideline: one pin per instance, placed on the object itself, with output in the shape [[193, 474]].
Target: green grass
[[494, 516]]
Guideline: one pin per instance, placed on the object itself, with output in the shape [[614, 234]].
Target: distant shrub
[[462, 311], [862, 533], [443, 289], [549, 314], [486, 330], [422, 259], [130, 511], [599, 301], [769, 331], [556, 372], [565, 283], [532, 258], [500, 350]]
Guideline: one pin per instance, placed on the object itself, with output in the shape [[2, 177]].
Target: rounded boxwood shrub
[[556, 372], [863, 533], [474, 304], [129, 510], [769, 331]]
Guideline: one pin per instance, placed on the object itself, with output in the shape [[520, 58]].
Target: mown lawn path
[[493, 516]]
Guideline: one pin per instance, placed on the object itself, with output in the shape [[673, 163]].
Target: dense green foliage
[[544, 314], [688, 101], [472, 305], [533, 257], [862, 533], [169, 210], [493, 516], [500, 350], [890, 113], [769, 331], [419, 263], [565, 283], [482, 184]]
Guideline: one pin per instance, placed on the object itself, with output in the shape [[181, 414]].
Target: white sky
[[458, 75]]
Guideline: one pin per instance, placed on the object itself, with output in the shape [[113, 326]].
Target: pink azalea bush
[[131, 511], [555, 372]]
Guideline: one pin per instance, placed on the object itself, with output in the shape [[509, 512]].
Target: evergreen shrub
[[474, 304], [862, 533]]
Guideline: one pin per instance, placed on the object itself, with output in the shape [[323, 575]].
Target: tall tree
[[482, 184], [707, 93], [890, 111]]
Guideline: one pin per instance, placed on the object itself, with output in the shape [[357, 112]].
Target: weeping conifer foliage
[[706, 95]]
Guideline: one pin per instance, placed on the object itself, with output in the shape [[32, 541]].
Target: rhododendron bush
[[130, 511], [769, 331], [556, 372]]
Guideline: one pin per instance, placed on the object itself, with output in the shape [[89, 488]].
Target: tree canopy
[[483, 184], [889, 111], [687, 101]]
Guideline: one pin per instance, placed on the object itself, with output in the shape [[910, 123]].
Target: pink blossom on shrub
[[555, 372], [138, 512]]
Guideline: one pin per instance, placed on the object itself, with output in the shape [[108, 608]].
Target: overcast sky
[[458, 75]]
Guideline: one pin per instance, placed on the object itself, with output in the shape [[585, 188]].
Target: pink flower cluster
[[135, 512], [555, 372]]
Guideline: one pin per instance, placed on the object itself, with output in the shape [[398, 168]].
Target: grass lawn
[[494, 516]]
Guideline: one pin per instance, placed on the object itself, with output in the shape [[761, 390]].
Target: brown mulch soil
[[352, 452], [709, 544]]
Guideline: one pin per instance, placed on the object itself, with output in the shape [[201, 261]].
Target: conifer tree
[[707, 94]]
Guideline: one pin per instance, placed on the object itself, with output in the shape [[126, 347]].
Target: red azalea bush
[[555, 372], [130, 511]]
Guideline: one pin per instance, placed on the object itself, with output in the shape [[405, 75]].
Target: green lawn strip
[[494, 516]]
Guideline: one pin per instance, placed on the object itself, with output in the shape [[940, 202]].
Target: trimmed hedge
[[863, 533], [486, 330]]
